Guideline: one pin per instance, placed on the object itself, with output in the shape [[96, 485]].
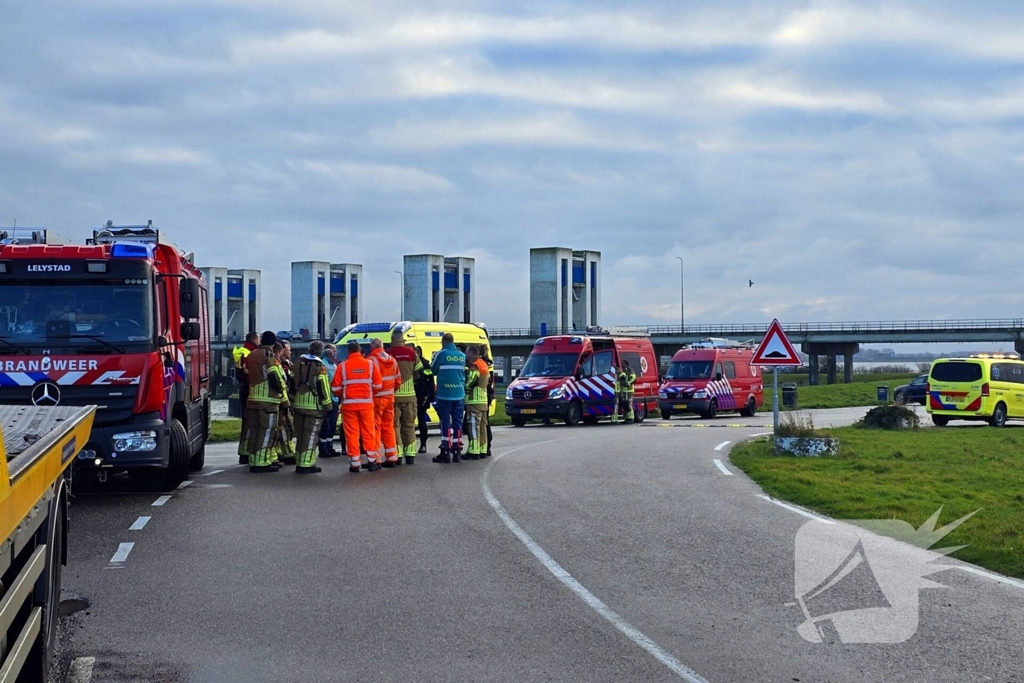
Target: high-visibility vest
[[312, 391], [387, 369], [354, 382]]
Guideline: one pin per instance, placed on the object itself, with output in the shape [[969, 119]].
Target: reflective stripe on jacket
[[409, 366], [476, 383], [309, 382], [266, 379], [354, 381], [449, 365], [387, 369]]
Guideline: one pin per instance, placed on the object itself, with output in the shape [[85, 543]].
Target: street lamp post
[[682, 297], [401, 293]]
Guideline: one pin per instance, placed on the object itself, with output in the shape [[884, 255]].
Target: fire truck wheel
[[518, 422], [751, 408], [198, 461], [712, 411], [178, 457], [666, 415], [640, 414], [573, 414]]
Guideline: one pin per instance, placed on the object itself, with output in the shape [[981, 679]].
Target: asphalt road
[[605, 553]]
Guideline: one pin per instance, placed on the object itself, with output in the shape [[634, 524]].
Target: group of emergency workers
[[290, 414]]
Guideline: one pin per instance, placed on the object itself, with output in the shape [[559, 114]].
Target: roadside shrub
[[924, 368], [890, 418], [884, 370], [797, 425]]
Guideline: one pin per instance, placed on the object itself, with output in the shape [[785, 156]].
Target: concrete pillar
[[832, 368], [815, 375], [507, 372], [1019, 347], [848, 368]]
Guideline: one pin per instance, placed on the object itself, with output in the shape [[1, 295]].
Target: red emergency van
[[572, 378], [711, 377]]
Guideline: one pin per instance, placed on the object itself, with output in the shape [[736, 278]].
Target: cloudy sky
[[857, 160]]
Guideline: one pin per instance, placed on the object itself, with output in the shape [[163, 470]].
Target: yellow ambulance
[[427, 336], [986, 387]]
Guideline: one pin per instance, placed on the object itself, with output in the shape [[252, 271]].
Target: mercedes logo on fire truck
[[45, 394], [527, 395]]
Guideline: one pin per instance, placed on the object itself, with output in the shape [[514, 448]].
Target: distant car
[[915, 392], [285, 334]]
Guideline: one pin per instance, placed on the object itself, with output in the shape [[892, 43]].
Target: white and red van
[[572, 378], [711, 377]]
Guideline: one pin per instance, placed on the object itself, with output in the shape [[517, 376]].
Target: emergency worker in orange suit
[[384, 401], [354, 381]]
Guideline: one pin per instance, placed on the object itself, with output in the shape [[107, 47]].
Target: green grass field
[[222, 431], [909, 475], [863, 391]]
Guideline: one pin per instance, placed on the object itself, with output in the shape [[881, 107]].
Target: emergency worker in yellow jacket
[[238, 356], [477, 380], [267, 391], [312, 391]]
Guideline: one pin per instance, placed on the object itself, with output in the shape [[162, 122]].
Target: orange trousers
[[358, 425], [384, 421]]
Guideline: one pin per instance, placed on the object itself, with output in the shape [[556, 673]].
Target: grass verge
[[909, 475], [862, 392], [223, 431]]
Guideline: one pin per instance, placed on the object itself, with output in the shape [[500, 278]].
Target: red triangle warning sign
[[775, 349]]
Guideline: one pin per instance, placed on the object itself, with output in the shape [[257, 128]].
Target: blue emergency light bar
[[370, 328], [125, 250]]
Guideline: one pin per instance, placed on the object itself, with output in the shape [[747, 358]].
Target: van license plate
[[956, 399], [528, 411], [680, 406]]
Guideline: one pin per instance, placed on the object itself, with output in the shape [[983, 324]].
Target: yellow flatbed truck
[[37, 447]]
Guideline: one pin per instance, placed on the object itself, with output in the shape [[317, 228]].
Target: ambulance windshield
[[549, 365], [689, 370]]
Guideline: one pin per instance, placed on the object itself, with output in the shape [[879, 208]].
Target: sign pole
[[775, 397]]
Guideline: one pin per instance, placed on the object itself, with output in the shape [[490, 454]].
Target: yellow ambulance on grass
[[424, 335], [984, 387]]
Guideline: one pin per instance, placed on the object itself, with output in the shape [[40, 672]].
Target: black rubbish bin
[[883, 393], [234, 407], [789, 395]]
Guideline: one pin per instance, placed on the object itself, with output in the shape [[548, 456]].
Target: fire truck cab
[[119, 322], [712, 376], [572, 378]]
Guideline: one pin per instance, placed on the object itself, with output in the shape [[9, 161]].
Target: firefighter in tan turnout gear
[[267, 391], [312, 403]]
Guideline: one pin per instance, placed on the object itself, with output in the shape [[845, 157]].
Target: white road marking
[[754, 436], [722, 445], [797, 510], [81, 670], [123, 551], [139, 524], [210, 474], [214, 486], [185, 484], [989, 575], [160, 501], [722, 467], [624, 627]]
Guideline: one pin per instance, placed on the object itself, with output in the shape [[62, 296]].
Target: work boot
[[444, 458], [456, 456], [276, 465], [410, 460], [486, 455], [288, 461], [374, 467], [471, 456], [366, 465], [389, 465], [308, 470], [261, 469], [353, 470], [243, 460], [423, 448]]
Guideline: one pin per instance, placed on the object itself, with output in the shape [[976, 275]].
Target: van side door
[[598, 384]]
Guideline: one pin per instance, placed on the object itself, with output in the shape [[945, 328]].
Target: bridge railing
[[727, 330]]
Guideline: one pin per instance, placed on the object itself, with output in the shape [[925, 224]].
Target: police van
[[984, 387]]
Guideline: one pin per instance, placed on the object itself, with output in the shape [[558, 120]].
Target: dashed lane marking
[[210, 474], [121, 556], [185, 484], [159, 502], [722, 467], [722, 445], [139, 524], [81, 670], [624, 627], [704, 426]]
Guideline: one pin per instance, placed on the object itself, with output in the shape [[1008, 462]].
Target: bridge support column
[[815, 370], [832, 368], [1019, 347], [831, 351], [507, 371], [848, 368]]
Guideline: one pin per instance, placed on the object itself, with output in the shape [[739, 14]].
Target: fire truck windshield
[[698, 369], [38, 313], [549, 365]]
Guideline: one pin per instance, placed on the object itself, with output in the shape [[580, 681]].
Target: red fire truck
[[119, 323]]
